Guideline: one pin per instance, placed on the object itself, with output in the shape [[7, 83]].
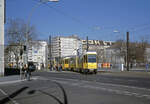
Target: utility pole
[[2, 16], [127, 51], [50, 49], [87, 44], [59, 50]]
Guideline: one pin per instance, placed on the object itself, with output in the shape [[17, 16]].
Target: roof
[[91, 52]]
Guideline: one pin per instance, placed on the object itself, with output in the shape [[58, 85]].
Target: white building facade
[[38, 53], [147, 55], [66, 46], [97, 43]]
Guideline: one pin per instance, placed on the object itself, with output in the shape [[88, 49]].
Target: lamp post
[[123, 49], [28, 22]]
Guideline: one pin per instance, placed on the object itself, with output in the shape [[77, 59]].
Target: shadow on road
[[11, 96], [54, 97]]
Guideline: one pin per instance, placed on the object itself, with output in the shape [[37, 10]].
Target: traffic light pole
[[50, 50], [127, 51], [87, 44]]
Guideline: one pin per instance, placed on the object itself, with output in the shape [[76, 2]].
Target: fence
[[111, 60]]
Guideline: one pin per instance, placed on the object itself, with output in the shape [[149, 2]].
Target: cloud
[[97, 28], [116, 31]]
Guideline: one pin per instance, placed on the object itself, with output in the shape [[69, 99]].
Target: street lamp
[[28, 22]]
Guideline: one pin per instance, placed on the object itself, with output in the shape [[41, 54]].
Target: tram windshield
[[91, 58]]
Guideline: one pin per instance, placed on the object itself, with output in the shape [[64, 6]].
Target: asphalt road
[[79, 88]]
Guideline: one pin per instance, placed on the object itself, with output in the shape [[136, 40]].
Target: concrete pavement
[[130, 73], [16, 78], [10, 79], [13, 79], [127, 74], [80, 88]]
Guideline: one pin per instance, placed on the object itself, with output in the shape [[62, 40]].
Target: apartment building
[[66, 46], [38, 53], [96, 44]]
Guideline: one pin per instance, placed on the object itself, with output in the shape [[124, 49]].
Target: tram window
[[91, 58], [66, 61]]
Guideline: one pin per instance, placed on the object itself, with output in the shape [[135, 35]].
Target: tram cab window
[[92, 58], [66, 61]]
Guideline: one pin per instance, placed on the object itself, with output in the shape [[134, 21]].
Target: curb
[[16, 81], [128, 74]]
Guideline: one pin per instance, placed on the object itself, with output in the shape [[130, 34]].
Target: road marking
[[10, 82], [115, 85], [16, 81], [120, 79], [62, 72], [123, 92], [83, 84], [3, 92]]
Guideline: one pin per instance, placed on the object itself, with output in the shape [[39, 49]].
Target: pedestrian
[[131, 65], [21, 71], [60, 67], [110, 66], [147, 66], [29, 69], [24, 71], [56, 67], [51, 67], [42, 66]]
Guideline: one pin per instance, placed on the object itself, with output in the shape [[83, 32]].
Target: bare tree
[[17, 31], [16, 34], [137, 50], [141, 51], [121, 46]]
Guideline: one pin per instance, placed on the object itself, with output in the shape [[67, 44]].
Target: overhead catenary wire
[[67, 15], [135, 29]]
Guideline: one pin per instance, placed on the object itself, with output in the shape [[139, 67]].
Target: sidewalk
[[141, 74], [13, 79], [119, 70], [10, 79]]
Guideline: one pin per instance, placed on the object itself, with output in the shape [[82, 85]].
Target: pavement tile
[[9, 78]]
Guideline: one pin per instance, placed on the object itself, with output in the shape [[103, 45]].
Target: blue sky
[[98, 19]]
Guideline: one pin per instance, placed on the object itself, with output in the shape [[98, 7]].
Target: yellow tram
[[89, 61], [86, 63], [65, 63]]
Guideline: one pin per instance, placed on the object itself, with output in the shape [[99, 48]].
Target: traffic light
[[24, 48], [21, 52]]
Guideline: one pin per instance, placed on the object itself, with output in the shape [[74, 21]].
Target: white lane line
[[10, 82], [107, 84], [3, 92], [121, 79], [122, 92], [125, 86], [83, 84]]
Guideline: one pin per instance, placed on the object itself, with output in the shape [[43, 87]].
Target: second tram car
[[86, 63]]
